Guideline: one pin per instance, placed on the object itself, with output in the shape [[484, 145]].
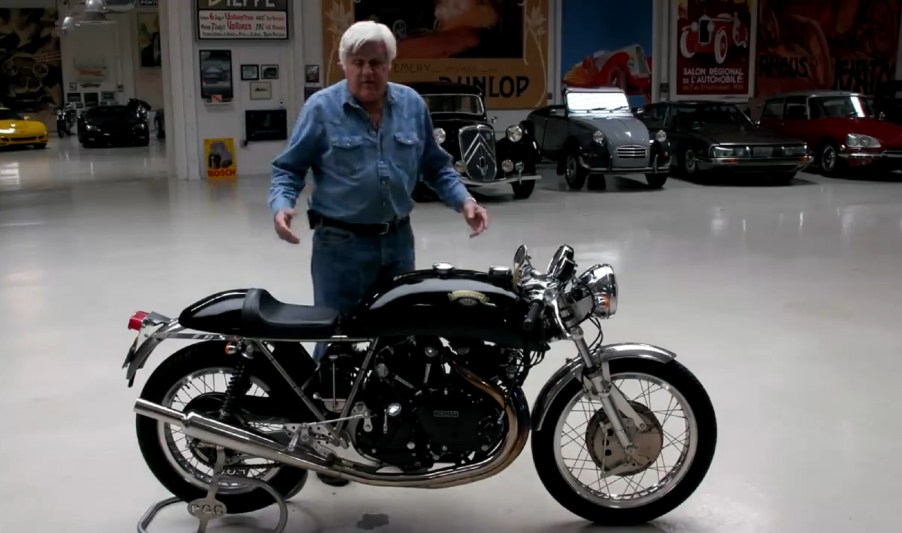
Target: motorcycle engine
[[425, 412]]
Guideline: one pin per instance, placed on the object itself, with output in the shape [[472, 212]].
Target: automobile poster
[[846, 45], [714, 47], [499, 46], [598, 50], [219, 158]]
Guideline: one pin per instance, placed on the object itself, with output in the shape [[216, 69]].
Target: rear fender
[[573, 370]]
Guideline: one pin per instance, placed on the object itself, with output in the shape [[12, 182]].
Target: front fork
[[596, 380]]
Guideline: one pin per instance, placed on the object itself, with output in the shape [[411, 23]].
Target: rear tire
[[545, 444], [195, 358]]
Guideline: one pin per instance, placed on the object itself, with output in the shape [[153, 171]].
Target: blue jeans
[[347, 266]]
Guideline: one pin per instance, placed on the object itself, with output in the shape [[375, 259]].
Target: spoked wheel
[[585, 468], [196, 379]]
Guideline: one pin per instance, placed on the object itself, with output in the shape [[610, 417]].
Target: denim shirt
[[363, 175]]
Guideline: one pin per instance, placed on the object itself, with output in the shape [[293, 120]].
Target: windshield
[[840, 107], [9, 114], [454, 103], [602, 102], [726, 114]]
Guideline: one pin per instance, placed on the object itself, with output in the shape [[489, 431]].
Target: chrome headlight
[[514, 133], [602, 284], [598, 137], [439, 135], [661, 136], [856, 140], [729, 151]]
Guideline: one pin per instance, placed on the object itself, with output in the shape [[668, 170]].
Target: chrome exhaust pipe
[[234, 438]]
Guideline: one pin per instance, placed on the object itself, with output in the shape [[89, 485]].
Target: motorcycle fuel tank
[[448, 303]]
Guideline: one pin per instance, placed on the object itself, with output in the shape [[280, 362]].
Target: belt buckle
[[386, 228]]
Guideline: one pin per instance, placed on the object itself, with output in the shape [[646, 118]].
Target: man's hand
[[476, 216], [282, 222]]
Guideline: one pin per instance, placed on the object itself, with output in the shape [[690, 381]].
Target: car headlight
[[661, 136], [601, 282], [439, 135], [598, 137], [795, 151], [729, 151], [514, 133], [857, 140]]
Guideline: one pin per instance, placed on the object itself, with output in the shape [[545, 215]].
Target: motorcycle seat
[[262, 315]]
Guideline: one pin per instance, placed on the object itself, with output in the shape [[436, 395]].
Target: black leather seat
[[264, 316]]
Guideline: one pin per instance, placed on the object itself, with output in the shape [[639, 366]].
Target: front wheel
[[583, 466], [523, 189], [194, 379], [655, 181]]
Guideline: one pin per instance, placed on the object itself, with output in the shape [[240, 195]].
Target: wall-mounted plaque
[[242, 20]]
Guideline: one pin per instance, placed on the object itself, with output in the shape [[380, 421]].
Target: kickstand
[[206, 509]]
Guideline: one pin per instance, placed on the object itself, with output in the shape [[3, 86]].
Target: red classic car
[[712, 36], [839, 126], [628, 68]]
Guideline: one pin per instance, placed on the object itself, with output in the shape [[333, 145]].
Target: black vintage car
[[718, 136], [463, 129], [113, 124], [594, 133]]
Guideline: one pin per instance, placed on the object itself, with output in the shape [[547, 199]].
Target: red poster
[[826, 44], [713, 47]]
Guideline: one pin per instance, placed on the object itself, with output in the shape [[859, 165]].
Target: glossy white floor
[[783, 300]]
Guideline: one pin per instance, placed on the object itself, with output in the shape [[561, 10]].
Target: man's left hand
[[476, 216]]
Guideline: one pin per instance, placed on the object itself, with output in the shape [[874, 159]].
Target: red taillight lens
[[137, 320]]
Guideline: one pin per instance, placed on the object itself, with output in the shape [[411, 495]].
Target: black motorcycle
[[421, 386]]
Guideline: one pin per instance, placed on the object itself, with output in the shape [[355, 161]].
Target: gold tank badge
[[469, 298]]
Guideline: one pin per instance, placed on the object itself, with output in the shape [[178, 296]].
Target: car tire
[[524, 189], [655, 181], [574, 174], [828, 162], [688, 164]]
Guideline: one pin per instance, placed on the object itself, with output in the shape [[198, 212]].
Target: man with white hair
[[367, 141]]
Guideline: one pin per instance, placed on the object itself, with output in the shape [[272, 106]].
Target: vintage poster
[[826, 44], [499, 46], [219, 155], [713, 48], [598, 50], [31, 79], [219, 19], [149, 48]]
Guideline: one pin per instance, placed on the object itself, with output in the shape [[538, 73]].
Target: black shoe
[[332, 481]]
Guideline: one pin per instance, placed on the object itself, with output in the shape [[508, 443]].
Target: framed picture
[[250, 72], [266, 125], [311, 73], [270, 72], [261, 90], [216, 75]]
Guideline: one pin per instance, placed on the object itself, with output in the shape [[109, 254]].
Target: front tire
[[161, 458], [524, 189], [582, 498], [655, 181]]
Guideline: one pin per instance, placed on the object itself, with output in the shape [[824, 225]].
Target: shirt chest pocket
[[407, 150], [348, 154]]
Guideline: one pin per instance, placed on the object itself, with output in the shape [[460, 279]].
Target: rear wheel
[[583, 466], [192, 380]]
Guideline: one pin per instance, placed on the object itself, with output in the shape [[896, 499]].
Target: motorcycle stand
[[206, 509]]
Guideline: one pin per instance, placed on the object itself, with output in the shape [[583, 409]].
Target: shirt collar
[[390, 95]]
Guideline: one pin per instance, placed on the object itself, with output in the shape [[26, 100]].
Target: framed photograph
[[250, 72], [266, 125], [311, 73], [270, 72], [261, 90], [216, 75]]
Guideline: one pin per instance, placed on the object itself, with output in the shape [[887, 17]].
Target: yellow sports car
[[15, 130]]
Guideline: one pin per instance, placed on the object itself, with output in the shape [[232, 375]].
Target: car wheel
[[574, 174], [523, 190], [828, 160], [655, 181], [688, 163]]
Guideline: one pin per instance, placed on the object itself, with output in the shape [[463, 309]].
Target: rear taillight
[[137, 320]]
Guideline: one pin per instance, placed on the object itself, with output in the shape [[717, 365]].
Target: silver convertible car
[[594, 133]]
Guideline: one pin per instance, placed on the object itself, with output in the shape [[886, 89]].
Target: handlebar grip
[[530, 321]]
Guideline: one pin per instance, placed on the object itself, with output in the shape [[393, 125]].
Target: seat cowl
[[217, 313]]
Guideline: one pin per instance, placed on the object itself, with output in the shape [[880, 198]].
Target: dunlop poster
[[499, 46]]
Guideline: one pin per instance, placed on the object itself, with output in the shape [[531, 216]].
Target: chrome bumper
[[503, 181], [869, 155], [655, 168], [762, 165]]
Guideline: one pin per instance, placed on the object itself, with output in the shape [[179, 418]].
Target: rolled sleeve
[[302, 152], [438, 171]]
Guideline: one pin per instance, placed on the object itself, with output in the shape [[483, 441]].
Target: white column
[[180, 91]]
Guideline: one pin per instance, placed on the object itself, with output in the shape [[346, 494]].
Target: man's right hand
[[282, 223]]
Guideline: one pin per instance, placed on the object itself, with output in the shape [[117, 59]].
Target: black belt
[[360, 229]]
